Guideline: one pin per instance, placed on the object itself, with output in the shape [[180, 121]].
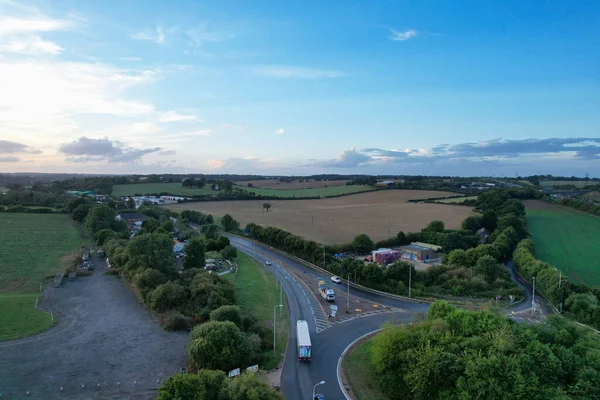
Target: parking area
[[105, 337]]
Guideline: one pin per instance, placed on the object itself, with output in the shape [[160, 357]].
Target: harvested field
[[338, 220], [275, 184], [567, 239]]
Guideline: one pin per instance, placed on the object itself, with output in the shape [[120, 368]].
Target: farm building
[[418, 251], [385, 184], [385, 256]]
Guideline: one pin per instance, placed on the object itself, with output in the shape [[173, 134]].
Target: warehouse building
[[422, 252]]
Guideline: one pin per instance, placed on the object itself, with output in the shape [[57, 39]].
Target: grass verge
[[257, 293], [359, 373], [19, 318]]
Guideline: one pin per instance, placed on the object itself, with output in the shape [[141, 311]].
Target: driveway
[[105, 336]]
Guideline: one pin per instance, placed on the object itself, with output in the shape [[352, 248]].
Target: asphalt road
[[330, 339]]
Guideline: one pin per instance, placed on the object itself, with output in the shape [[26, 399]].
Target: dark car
[[319, 397]]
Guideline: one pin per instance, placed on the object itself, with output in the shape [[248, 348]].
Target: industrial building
[[422, 252]]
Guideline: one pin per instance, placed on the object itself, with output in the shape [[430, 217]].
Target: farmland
[[567, 239], [177, 190], [275, 184], [31, 246], [577, 184], [338, 220]]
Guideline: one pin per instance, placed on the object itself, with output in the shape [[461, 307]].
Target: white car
[[336, 279], [267, 262]]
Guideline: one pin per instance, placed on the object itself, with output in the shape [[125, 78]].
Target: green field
[[456, 199], [19, 318], [31, 246], [359, 373], [256, 293], [177, 190], [577, 184], [151, 188], [568, 240]]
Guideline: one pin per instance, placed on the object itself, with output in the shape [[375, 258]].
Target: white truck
[[303, 341], [327, 294]]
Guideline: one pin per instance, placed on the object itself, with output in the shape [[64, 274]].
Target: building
[[483, 235], [177, 246], [133, 221], [422, 252], [385, 256], [385, 184]]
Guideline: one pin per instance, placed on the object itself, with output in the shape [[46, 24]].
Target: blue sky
[[300, 87]]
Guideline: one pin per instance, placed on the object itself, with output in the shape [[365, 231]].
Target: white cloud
[[289, 72], [156, 36], [130, 58], [173, 116], [13, 25], [280, 131], [402, 36], [33, 45]]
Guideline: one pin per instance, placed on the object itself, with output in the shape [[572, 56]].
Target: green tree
[[362, 244], [435, 226], [489, 220], [80, 212], [229, 224], [219, 345], [472, 223], [166, 297], [227, 313], [205, 385], [221, 243], [150, 225], [229, 252], [148, 280], [210, 231], [488, 267], [74, 203], [100, 217], [154, 250], [195, 252], [402, 239], [104, 235], [247, 386], [266, 206]]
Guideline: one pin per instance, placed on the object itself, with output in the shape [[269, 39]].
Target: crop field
[[338, 220], [177, 190], [275, 184], [567, 239], [31, 246], [577, 184], [456, 200], [174, 189]]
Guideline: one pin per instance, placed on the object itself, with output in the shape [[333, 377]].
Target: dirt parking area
[[340, 219], [105, 336]]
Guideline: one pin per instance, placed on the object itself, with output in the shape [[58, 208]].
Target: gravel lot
[[104, 336]]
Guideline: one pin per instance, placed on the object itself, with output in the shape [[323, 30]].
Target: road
[[331, 337]]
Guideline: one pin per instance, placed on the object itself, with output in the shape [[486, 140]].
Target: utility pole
[[280, 298], [409, 278], [533, 297], [348, 295]]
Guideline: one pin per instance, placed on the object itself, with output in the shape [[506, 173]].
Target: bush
[[175, 321], [227, 313]]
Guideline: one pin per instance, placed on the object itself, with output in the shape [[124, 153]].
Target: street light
[[275, 326], [559, 284], [314, 387]]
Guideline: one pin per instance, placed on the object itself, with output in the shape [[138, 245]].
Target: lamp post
[[348, 295], [275, 326], [314, 387], [559, 285], [409, 278]]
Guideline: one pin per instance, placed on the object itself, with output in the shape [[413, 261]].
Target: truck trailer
[[327, 294], [303, 341]]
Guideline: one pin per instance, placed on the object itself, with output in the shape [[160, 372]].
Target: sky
[[300, 87]]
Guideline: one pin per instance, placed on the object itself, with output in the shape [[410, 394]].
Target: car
[[267, 262], [319, 397], [336, 279]]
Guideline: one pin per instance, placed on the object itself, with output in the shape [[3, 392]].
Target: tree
[[488, 267], [205, 385], [80, 212], [489, 220], [266, 206], [195, 254], [166, 297], [472, 223], [221, 243], [402, 239], [435, 226], [168, 226], [210, 231], [131, 203], [148, 280], [74, 203], [104, 235], [247, 386], [229, 252], [229, 224], [100, 217], [154, 250], [219, 345], [362, 244], [150, 225], [250, 184], [227, 313]]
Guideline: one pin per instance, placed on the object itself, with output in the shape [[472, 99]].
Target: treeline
[[459, 354], [31, 210], [577, 301], [582, 205]]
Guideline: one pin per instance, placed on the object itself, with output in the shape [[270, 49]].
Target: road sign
[[234, 372]]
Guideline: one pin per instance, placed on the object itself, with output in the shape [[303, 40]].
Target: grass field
[[566, 239], [31, 246], [177, 190], [148, 188], [19, 318], [577, 184], [456, 200], [338, 220], [256, 293], [358, 372], [275, 184]]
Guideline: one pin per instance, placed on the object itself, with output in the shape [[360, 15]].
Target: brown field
[[339, 219], [275, 184]]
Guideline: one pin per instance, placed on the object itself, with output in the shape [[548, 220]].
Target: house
[[483, 235], [177, 246], [422, 252], [133, 220], [385, 256]]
